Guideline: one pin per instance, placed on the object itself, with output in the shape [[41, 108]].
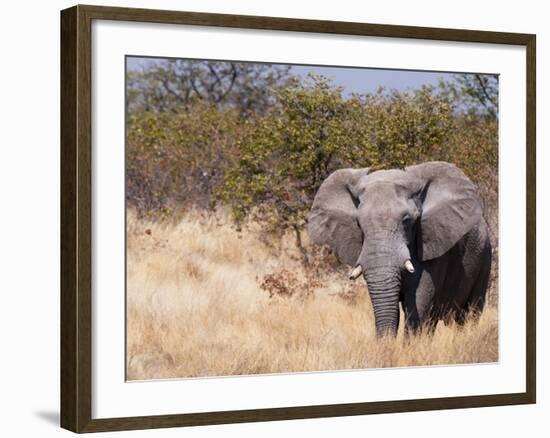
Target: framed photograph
[[267, 219]]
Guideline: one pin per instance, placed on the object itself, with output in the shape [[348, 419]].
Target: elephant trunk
[[383, 262], [384, 285]]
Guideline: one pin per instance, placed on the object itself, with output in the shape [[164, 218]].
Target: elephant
[[417, 235]]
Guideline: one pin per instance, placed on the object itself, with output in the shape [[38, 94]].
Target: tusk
[[356, 272], [409, 266]]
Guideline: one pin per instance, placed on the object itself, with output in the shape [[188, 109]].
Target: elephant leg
[[411, 321], [414, 324], [418, 302], [474, 278], [476, 300]]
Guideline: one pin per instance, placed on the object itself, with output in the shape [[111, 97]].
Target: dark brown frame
[[76, 225]]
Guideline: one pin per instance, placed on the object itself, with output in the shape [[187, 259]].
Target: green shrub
[[177, 159]]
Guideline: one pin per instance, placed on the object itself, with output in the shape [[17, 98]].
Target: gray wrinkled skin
[[430, 214]]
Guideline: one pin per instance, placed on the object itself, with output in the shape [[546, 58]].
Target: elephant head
[[386, 224]]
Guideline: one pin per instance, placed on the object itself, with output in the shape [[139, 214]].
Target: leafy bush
[[177, 159]]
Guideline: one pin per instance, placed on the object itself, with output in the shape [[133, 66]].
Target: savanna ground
[[205, 300]]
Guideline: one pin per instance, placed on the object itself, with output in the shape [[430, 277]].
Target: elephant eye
[[407, 219]]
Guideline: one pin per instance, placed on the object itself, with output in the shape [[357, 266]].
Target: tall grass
[[206, 300]]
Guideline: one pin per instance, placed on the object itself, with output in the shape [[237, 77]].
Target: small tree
[[175, 84], [475, 94]]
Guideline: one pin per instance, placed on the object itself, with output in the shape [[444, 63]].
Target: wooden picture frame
[[76, 218]]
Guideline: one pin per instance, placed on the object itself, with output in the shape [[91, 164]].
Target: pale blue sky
[[358, 80], [364, 80]]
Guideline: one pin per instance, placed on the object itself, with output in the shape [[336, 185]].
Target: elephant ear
[[451, 207], [333, 216]]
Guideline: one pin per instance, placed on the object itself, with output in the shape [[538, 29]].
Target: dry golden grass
[[196, 308]]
